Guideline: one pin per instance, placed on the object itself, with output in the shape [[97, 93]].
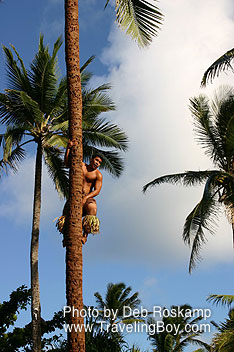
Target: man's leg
[[89, 208]]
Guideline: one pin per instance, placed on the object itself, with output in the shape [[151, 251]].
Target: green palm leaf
[[12, 108], [17, 76], [139, 18], [224, 123], [16, 156], [85, 75], [43, 76], [60, 99], [221, 299], [222, 64], [95, 102], [208, 136], [188, 178], [56, 140], [201, 218], [105, 134], [224, 342], [57, 170]]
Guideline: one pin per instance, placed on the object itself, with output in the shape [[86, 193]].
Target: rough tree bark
[[35, 306], [74, 263]]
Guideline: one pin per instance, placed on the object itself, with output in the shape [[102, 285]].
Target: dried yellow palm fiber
[[91, 224], [60, 223]]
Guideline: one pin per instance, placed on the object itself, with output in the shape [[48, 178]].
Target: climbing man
[[92, 184]]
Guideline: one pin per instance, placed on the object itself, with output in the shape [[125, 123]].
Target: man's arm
[[67, 156], [97, 188]]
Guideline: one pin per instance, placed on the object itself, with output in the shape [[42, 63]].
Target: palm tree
[[214, 126], [223, 341], [223, 63], [116, 298], [99, 339], [31, 108], [35, 110], [141, 19], [176, 341]]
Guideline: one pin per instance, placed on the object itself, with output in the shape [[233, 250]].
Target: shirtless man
[[92, 184]]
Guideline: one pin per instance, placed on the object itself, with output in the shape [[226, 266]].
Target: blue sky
[[140, 242]]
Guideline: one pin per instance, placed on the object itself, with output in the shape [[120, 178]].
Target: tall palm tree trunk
[[36, 307], [74, 263]]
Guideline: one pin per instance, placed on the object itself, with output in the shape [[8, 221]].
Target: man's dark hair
[[96, 155]]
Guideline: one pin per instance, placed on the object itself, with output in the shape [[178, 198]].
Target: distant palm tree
[[35, 110], [99, 339], [116, 298], [223, 63], [176, 341], [32, 108], [223, 340], [214, 126]]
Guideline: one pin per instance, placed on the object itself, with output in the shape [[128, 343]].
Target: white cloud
[[152, 89], [17, 195]]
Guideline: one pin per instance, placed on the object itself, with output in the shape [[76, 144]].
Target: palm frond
[[57, 45], [208, 136], [95, 101], [201, 218], [32, 109], [55, 140], [221, 299], [223, 107], [13, 136], [17, 76], [86, 75], [139, 18], [61, 126], [13, 159], [99, 300], [192, 340], [105, 134], [11, 111], [17, 107], [112, 162], [224, 342], [43, 76], [60, 99], [85, 78], [86, 64], [222, 64], [57, 171], [188, 178]]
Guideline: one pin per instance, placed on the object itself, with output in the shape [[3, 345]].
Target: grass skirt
[[90, 224]]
